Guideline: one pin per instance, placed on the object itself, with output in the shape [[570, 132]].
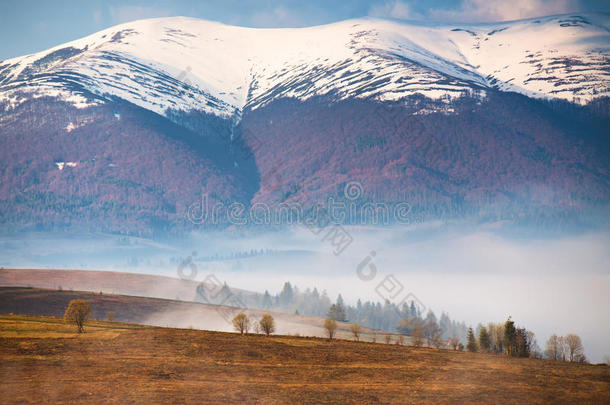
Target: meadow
[[44, 360]]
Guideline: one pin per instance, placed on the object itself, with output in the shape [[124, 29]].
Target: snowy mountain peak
[[190, 64]]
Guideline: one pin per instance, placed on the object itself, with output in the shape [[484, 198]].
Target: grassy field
[[43, 360]]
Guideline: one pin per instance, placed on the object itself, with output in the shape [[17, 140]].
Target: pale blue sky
[[28, 26]]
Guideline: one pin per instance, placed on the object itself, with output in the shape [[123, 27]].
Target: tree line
[[370, 314]]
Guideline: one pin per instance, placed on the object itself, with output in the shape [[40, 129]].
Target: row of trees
[[311, 302], [565, 348], [242, 324], [494, 338], [503, 338]]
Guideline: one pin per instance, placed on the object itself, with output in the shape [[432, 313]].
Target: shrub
[[267, 324], [241, 323], [331, 327], [356, 330], [77, 313]]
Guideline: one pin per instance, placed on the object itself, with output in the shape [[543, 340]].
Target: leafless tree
[[418, 336], [553, 347], [356, 330], [331, 327], [574, 346], [388, 338], [454, 342]]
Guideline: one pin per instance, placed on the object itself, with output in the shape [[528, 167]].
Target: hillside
[[114, 362], [159, 312], [148, 127], [109, 282]]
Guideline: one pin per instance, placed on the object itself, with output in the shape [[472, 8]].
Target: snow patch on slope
[[188, 64]]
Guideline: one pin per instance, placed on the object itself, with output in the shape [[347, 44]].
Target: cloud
[[277, 17], [395, 9], [122, 14], [475, 10], [503, 10]]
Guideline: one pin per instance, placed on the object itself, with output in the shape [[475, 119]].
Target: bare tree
[[110, 316], [356, 330], [400, 340], [454, 342], [496, 337], [436, 340], [575, 349], [331, 327], [553, 347], [241, 323], [563, 348], [77, 313], [388, 338], [418, 336], [267, 324]]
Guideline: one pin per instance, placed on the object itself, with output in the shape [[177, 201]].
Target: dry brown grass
[[44, 360]]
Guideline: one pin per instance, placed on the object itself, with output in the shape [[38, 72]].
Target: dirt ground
[[43, 360]]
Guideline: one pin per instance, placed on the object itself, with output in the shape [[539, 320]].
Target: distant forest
[[374, 315]]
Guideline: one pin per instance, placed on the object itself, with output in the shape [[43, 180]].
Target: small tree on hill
[[522, 348], [337, 312], [110, 316], [356, 330], [331, 327], [267, 324], [418, 336], [472, 343], [77, 313], [510, 337], [574, 346], [484, 343], [553, 349], [388, 338], [241, 323]]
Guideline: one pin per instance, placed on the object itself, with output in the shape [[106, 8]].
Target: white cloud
[[278, 17], [477, 10], [503, 10], [395, 9], [122, 14]]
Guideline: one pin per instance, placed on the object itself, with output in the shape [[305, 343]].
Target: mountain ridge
[[126, 129], [129, 59]]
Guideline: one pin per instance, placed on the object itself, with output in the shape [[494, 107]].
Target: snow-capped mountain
[[189, 64], [125, 130]]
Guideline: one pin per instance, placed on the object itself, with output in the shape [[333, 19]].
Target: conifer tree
[[484, 343], [472, 344], [510, 336]]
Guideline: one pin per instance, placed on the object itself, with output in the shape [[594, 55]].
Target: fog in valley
[[477, 274]]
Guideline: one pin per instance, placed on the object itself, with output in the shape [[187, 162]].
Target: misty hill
[[156, 312]]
